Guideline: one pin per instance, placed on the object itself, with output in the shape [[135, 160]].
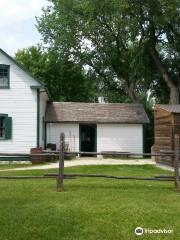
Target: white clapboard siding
[[20, 103], [120, 137], [110, 137], [71, 131]]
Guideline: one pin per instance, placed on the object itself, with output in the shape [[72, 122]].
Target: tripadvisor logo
[[139, 231]]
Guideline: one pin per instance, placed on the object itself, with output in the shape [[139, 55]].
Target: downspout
[[38, 116], [45, 134], [143, 135]]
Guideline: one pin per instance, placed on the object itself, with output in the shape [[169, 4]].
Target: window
[[4, 76], [5, 127], [2, 127]]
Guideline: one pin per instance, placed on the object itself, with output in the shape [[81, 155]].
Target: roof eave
[[21, 66], [43, 88], [38, 87], [96, 122]]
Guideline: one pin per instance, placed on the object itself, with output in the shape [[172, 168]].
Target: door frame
[[95, 136]]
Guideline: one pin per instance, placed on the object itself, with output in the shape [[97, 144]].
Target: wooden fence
[[60, 175]]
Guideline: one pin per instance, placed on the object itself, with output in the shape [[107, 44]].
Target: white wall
[[20, 103], [110, 137], [71, 131], [120, 137]]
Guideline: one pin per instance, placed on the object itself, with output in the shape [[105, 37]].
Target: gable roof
[[95, 112], [40, 85], [174, 108], [22, 67]]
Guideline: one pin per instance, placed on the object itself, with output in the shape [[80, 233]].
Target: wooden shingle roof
[[172, 108], [95, 112]]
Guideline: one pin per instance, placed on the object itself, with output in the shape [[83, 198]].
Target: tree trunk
[[131, 90], [174, 95], [174, 90]]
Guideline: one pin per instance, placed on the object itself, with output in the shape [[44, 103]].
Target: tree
[[96, 34], [65, 80], [158, 24], [113, 38]]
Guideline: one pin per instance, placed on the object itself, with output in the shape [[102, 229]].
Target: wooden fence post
[[61, 163], [176, 164]]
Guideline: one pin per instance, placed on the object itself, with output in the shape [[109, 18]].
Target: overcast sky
[[17, 23]]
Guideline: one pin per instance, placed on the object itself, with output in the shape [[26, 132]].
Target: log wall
[[164, 132]]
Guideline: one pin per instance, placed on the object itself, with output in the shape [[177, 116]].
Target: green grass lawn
[[14, 165], [88, 208]]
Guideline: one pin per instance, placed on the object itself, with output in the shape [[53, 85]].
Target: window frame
[[3, 116], [7, 67], [3, 128], [7, 135]]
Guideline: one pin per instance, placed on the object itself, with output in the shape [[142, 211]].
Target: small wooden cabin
[[167, 124]]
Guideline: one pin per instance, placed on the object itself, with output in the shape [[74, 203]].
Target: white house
[[29, 119], [22, 107]]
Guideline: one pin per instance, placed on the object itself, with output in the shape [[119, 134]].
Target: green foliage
[[112, 38], [65, 80], [159, 23], [97, 34]]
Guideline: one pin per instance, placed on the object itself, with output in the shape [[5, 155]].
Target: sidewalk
[[165, 167]]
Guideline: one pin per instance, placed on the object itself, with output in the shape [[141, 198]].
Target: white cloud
[[19, 36], [17, 23], [14, 11]]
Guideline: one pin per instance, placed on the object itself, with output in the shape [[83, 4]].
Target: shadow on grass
[[118, 186]]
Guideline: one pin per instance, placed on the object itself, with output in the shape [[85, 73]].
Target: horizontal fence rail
[[109, 176], [56, 153], [60, 175]]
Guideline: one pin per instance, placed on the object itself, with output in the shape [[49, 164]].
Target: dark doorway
[[88, 137]]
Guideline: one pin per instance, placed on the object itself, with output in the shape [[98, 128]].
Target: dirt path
[[86, 161]]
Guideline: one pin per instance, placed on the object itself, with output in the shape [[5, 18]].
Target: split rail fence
[[60, 175]]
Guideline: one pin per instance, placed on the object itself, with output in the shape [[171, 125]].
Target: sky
[[17, 24]]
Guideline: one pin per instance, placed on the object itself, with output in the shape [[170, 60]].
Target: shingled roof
[[174, 108], [95, 112]]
